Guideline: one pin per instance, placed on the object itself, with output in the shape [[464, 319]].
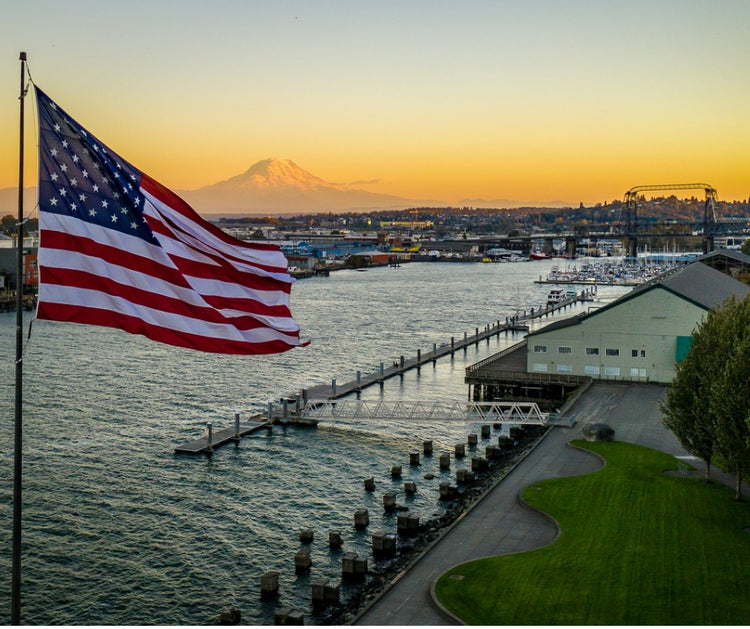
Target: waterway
[[119, 530]]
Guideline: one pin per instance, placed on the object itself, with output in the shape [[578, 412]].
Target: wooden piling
[[269, 584]]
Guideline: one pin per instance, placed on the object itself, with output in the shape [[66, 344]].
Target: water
[[120, 530]]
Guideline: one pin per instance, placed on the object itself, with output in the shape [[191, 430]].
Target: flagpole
[[17, 462]]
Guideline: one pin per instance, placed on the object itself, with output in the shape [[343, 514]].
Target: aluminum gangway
[[350, 409]]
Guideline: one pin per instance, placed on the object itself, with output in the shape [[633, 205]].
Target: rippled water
[[120, 530]]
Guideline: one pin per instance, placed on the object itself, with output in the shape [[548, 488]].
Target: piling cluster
[[362, 576]]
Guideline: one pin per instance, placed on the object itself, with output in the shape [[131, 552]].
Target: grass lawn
[[637, 547]]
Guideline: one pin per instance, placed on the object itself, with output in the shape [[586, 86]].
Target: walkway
[[499, 525]]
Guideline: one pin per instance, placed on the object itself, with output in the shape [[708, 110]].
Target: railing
[[491, 359], [507, 412]]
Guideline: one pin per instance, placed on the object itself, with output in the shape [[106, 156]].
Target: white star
[[96, 147], [64, 144], [123, 210], [114, 218], [63, 167], [62, 192], [85, 173], [96, 165], [96, 188], [137, 201], [76, 159], [73, 181], [92, 212], [133, 225], [53, 152], [54, 177], [74, 207], [105, 204], [116, 195], [82, 197], [57, 127], [53, 201]]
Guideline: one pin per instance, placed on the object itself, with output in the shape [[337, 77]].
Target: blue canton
[[80, 177]]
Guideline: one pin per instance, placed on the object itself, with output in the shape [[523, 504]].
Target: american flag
[[118, 249]]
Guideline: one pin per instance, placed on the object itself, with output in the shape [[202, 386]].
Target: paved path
[[499, 524]]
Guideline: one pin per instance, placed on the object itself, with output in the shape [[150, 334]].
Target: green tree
[[707, 406], [730, 389], [745, 248], [682, 412]]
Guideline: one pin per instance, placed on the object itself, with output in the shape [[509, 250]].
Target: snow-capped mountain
[[279, 185]]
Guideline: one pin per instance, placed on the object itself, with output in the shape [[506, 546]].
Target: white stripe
[[137, 246], [87, 298], [64, 259]]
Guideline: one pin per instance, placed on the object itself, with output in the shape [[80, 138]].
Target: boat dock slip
[[213, 440]]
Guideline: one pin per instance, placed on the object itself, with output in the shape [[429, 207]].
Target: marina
[[615, 272]]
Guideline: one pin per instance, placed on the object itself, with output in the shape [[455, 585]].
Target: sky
[[524, 100]]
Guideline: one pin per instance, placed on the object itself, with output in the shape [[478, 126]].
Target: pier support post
[[270, 411], [269, 584], [209, 435], [297, 404], [434, 354], [453, 345], [285, 406], [419, 357], [382, 372], [359, 378], [237, 426], [333, 386]]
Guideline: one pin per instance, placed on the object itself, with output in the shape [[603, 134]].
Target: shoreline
[[386, 573]]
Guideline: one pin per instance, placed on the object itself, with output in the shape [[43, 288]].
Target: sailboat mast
[[18, 460]]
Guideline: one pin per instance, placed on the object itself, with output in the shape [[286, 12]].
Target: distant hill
[[279, 185]]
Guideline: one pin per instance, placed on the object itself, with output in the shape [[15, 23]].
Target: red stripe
[[156, 300], [143, 264], [133, 325]]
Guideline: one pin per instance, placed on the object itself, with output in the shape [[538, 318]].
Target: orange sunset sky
[[537, 100]]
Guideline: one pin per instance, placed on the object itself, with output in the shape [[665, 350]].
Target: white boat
[[555, 296]]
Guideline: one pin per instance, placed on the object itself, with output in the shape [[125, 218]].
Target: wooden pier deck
[[221, 437], [337, 390]]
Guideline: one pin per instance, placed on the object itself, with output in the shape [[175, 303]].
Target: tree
[[730, 391], [683, 415], [707, 406], [745, 248]]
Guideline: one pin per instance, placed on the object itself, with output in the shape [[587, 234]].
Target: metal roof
[[696, 283]]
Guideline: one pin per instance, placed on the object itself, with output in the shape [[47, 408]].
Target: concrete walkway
[[499, 524]]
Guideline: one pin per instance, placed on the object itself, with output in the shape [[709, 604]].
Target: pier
[[212, 440], [299, 413], [336, 390]]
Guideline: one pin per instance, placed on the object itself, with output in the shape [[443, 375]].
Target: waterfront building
[[638, 337]]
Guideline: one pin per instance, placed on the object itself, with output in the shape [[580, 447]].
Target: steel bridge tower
[[631, 214]]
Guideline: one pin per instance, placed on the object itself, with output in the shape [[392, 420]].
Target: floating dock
[[209, 442]]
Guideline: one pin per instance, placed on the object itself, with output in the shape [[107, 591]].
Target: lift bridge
[[505, 412]]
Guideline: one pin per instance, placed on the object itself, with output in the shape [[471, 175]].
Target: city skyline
[[539, 101]]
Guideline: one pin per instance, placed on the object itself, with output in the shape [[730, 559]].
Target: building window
[[612, 352], [564, 368], [643, 353], [634, 353], [611, 371], [592, 351], [591, 370], [564, 349], [540, 349], [539, 367]]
